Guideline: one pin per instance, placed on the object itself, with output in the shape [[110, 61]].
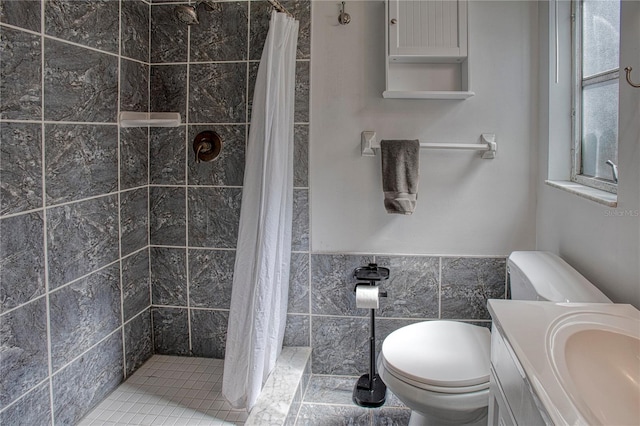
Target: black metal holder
[[370, 391]]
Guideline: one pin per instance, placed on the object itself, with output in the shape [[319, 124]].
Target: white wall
[[601, 242], [466, 205]]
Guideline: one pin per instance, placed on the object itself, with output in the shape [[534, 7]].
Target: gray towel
[[400, 174]]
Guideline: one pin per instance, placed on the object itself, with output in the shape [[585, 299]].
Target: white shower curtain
[[261, 275]]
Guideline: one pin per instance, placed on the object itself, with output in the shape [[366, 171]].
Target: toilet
[[440, 369]]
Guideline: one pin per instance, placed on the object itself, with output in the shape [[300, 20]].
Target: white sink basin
[[596, 358]]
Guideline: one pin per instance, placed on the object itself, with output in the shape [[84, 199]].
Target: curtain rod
[[279, 7]]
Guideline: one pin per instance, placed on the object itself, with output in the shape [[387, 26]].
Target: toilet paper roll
[[367, 297]]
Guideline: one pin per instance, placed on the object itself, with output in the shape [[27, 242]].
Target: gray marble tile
[[221, 34], [81, 238], [391, 416], [301, 155], [259, 27], [80, 161], [22, 273], [297, 331], [209, 333], [87, 380], [138, 345], [167, 155], [136, 286], [170, 331], [301, 114], [467, 284], [20, 75], [21, 165], [333, 415], [211, 278], [168, 35], [90, 23], [331, 390], [301, 9], [214, 215], [412, 287], [260, 14], [134, 156], [252, 77], [134, 32], [340, 345], [339, 390], [79, 84], [332, 284], [217, 93], [32, 409], [83, 313], [23, 14], [134, 221], [299, 284], [168, 276], [300, 230], [169, 89], [23, 350], [167, 222], [134, 85], [228, 168]]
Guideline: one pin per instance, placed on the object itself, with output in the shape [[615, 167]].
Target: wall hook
[[344, 18], [628, 70]]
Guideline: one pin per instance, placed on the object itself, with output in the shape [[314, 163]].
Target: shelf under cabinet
[[425, 94]]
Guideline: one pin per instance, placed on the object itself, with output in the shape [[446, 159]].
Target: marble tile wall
[[207, 73], [75, 297], [419, 288]]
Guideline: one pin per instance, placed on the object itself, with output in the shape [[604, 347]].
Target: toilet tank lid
[[552, 278]]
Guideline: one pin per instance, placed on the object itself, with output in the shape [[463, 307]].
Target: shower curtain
[[261, 275]]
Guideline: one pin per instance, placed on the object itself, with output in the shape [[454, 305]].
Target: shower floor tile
[[169, 390]]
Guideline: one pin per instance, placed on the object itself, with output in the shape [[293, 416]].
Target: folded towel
[[400, 174]]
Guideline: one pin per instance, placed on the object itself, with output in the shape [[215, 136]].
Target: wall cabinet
[[426, 49]]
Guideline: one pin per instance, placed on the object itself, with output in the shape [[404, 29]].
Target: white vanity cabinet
[[426, 49], [511, 400]]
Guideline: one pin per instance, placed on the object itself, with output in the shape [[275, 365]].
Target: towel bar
[[370, 144]]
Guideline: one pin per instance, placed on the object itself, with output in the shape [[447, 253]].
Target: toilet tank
[[540, 275]]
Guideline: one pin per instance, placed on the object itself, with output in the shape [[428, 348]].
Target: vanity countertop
[[539, 333]]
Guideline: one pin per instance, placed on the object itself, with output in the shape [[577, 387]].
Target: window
[[596, 46]]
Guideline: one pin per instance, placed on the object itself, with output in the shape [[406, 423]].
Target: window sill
[[597, 195]]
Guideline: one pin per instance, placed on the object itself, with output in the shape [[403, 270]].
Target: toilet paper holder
[[369, 390]]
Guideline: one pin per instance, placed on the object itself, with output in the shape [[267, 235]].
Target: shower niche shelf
[[150, 119]]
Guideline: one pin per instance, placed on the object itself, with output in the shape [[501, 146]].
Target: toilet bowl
[[440, 369]]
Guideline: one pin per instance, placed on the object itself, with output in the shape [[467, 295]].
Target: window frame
[[578, 83]]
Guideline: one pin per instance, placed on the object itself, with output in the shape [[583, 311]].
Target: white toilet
[[440, 369]]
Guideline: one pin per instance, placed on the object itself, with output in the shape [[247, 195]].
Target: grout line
[[120, 264], [149, 282], [191, 247], [89, 349], [187, 116], [66, 203], [45, 228], [440, 287]]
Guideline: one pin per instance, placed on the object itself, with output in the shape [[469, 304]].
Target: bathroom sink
[[596, 358]]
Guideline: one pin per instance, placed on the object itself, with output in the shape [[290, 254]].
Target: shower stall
[[115, 243]]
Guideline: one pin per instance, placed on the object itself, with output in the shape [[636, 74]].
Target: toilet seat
[[439, 356]]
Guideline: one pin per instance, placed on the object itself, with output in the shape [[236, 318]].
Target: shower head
[[189, 14]]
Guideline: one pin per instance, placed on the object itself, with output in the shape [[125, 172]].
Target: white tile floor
[[169, 390]]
